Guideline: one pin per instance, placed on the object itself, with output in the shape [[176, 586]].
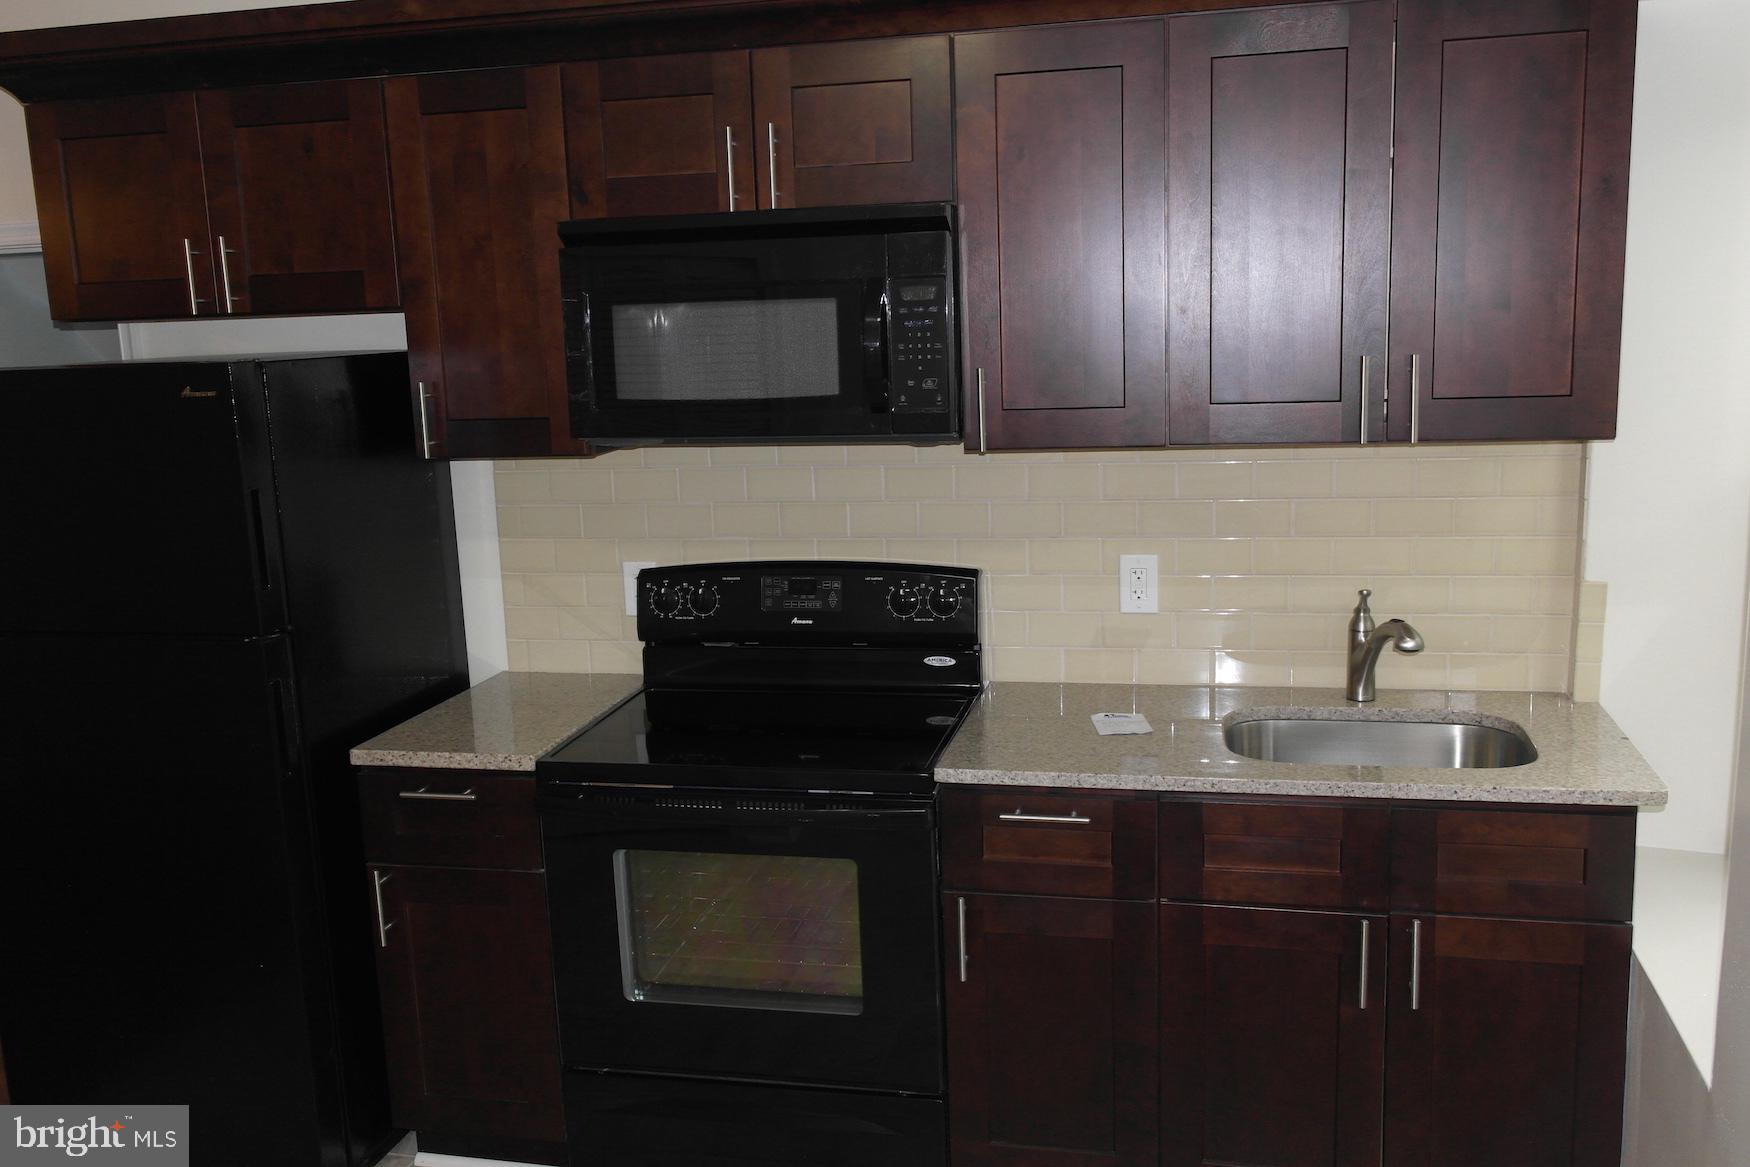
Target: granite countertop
[[1034, 734], [503, 723]]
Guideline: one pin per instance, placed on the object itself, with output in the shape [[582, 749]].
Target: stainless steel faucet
[[1366, 643]]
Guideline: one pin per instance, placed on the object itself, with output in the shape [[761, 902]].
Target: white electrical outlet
[[632, 569], [1139, 583]]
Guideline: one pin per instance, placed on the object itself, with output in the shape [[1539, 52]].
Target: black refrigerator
[[218, 577]]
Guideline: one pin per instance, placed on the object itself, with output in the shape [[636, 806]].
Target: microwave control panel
[[920, 323]]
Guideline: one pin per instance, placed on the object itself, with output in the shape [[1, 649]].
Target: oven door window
[[776, 932]]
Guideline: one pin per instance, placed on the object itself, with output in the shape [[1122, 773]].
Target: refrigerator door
[[169, 948], [141, 499]]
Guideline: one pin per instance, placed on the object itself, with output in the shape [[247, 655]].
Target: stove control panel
[[807, 603]]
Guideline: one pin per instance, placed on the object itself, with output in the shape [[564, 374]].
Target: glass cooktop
[[877, 742]]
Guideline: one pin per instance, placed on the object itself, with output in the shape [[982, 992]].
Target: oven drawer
[[1029, 841], [1274, 854], [1550, 864], [450, 818]]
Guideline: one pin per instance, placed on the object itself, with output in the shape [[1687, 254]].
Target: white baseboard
[[17, 238]]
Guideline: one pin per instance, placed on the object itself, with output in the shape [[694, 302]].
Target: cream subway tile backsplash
[[1260, 552]]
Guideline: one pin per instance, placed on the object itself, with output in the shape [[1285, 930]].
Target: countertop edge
[[421, 760]]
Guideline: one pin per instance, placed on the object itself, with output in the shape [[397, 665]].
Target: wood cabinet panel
[[860, 122], [297, 182], [450, 818], [1287, 854], [1090, 844], [122, 211], [1514, 863], [464, 967], [1059, 154], [478, 161], [1272, 1037], [1051, 1038], [654, 136], [1506, 1043], [1279, 178], [1509, 216]]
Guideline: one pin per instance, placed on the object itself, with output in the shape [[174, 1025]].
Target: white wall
[[1669, 500]]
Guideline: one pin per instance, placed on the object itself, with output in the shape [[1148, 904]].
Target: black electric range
[[741, 870]]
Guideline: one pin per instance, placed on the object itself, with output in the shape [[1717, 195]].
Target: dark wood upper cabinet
[[122, 210], [1272, 1037], [297, 180], [863, 122], [1509, 215], [1278, 193], [1506, 1043], [1060, 156], [464, 968], [1052, 1054], [660, 135], [479, 177]]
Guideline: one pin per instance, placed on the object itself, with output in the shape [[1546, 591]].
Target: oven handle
[[605, 818]]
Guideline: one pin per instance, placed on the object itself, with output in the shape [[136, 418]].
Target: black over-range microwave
[[813, 325]]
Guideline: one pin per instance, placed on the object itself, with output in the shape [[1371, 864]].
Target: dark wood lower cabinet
[[465, 971], [1272, 1037], [1051, 1033], [1507, 1043]]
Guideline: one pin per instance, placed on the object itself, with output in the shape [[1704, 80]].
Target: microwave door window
[[726, 351]]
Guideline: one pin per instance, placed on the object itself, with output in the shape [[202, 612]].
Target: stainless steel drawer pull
[[1415, 398], [1415, 964], [729, 154], [1365, 380], [225, 274], [981, 442], [424, 420], [962, 903], [1366, 928], [1017, 816], [194, 301], [772, 160], [383, 922], [467, 795]]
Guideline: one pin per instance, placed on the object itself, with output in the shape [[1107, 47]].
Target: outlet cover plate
[[1139, 579], [631, 568]]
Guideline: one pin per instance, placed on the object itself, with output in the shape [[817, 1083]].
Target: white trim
[[19, 238]]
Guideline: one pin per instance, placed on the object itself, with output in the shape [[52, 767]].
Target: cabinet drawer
[[1049, 843], [1514, 863], [450, 818], [1274, 854]]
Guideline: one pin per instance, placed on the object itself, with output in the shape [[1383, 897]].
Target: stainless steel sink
[[1333, 742]]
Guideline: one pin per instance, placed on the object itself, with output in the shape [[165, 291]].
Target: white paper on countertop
[[1108, 723]]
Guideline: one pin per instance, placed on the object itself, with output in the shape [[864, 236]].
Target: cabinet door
[[298, 191], [660, 135], [1508, 216], [1278, 194], [1506, 1043], [864, 122], [1272, 1037], [478, 161], [1051, 1031], [464, 968], [123, 212], [1059, 159]]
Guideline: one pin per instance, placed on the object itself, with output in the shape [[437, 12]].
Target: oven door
[[727, 340], [784, 938]]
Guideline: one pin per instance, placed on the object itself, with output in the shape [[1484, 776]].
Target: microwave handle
[[876, 346]]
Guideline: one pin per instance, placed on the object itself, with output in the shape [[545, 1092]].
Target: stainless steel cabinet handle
[[424, 419], [383, 922], [1415, 398], [1415, 965], [981, 447], [1018, 817], [225, 274], [437, 796], [1366, 929], [772, 160], [194, 301], [729, 153], [1366, 380], [962, 906]]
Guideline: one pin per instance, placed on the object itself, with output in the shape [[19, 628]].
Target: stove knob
[[946, 601], [704, 600], [903, 601], [665, 600]]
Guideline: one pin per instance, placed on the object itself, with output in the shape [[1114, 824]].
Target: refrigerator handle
[[281, 736]]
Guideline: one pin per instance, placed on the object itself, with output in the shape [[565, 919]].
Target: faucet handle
[[1361, 621]]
